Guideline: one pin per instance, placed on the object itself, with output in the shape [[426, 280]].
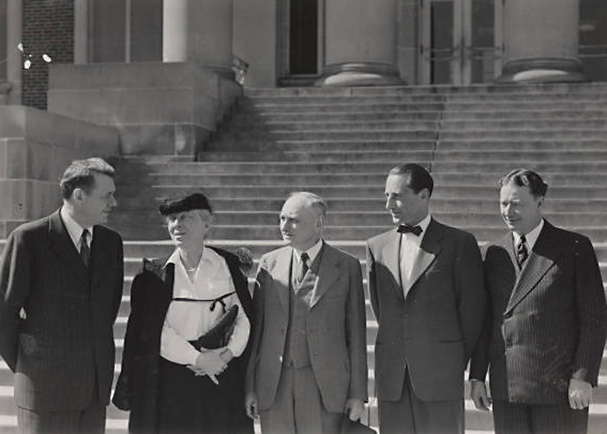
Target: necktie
[[85, 251], [304, 265], [521, 251], [408, 229]]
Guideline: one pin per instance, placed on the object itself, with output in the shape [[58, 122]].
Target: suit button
[[508, 343], [508, 315]]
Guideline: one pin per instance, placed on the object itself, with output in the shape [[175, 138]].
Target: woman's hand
[[210, 362]]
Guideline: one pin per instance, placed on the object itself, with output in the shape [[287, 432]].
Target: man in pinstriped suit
[[60, 290], [546, 325]]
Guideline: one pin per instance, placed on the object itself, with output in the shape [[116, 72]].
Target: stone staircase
[[340, 143]]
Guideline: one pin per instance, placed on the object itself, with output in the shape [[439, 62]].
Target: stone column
[[541, 38], [360, 43], [199, 31], [14, 59], [81, 31]]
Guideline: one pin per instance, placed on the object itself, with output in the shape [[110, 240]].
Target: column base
[[542, 70], [360, 74]]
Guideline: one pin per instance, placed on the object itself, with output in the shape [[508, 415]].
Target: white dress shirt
[[312, 253], [530, 238], [75, 230], [409, 249], [186, 320]]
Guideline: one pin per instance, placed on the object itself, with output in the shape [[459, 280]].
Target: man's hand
[[250, 405], [580, 394], [354, 408], [478, 393]]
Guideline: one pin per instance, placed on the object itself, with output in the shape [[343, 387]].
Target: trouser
[[411, 415], [298, 407], [512, 418]]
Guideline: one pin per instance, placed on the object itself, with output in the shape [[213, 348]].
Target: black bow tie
[[408, 229]]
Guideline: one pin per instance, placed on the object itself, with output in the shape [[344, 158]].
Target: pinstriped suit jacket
[[546, 322], [66, 343]]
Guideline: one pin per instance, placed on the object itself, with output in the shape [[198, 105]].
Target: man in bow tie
[[546, 321], [308, 365], [426, 287]]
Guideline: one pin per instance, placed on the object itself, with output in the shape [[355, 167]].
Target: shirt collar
[[312, 251], [207, 255], [74, 229], [423, 224], [531, 237]]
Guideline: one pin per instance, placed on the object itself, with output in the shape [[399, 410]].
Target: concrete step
[[526, 124], [251, 116], [336, 133], [334, 233], [526, 115], [396, 144], [538, 144], [451, 106], [495, 165], [544, 88], [470, 191], [354, 156], [260, 101], [370, 123], [506, 156], [311, 146], [327, 156], [373, 218], [377, 179]]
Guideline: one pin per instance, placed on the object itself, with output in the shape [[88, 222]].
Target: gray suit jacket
[[545, 323], [432, 332], [335, 328], [66, 343]]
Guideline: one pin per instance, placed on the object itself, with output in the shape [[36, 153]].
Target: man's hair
[[81, 174], [418, 177], [316, 202], [525, 178]]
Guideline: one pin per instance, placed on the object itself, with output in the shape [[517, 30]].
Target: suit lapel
[[328, 273], [429, 248], [281, 276], [64, 247], [542, 257]]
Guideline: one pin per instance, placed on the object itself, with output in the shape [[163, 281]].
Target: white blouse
[[186, 321]]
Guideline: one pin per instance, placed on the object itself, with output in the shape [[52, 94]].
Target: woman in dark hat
[[186, 340]]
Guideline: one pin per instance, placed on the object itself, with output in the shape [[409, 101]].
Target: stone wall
[[35, 149]]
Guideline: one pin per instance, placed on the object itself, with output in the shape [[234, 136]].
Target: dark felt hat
[[184, 202]]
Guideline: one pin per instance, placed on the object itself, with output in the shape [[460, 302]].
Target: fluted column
[[199, 31], [542, 41], [360, 43]]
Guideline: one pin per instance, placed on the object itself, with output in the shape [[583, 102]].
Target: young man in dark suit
[[60, 289], [546, 323], [426, 287]]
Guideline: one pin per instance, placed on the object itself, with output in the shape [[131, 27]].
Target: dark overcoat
[[151, 294]]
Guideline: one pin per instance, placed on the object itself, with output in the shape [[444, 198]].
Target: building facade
[[307, 42]]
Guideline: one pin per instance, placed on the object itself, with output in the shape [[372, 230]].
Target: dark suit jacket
[[545, 323], [151, 294], [433, 331], [335, 328], [66, 343]]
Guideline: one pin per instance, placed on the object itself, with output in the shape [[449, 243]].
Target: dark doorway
[[303, 37]]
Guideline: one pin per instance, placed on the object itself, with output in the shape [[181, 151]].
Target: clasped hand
[[209, 362]]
